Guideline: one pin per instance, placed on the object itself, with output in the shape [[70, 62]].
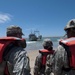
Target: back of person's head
[[47, 44], [14, 30], [70, 28]]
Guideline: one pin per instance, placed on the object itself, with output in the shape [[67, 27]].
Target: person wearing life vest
[[13, 57], [64, 57], [40, 62]]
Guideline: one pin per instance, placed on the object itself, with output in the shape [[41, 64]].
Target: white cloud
[[4, 18]]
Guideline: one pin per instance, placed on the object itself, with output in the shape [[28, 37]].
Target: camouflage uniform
[[16, 59], [49, 64], [59, 62], [56, 63], [38, 68]]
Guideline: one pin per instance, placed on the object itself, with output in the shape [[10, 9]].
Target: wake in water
[[29, 42]]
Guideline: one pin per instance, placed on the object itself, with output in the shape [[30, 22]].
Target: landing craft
[[34, 37]]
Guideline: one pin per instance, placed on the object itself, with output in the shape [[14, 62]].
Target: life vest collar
[[9, 38], [68, 40], [46, 51]]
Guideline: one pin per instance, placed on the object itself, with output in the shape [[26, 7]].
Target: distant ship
[[34, 37]]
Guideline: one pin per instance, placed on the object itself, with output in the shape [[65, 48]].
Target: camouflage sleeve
[[60, 60], [19, 62], [49, 64], [37, 65]]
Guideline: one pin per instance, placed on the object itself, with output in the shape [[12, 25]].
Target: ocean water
[[36, 45]]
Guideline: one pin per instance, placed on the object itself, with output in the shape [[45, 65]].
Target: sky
[[49, 17]]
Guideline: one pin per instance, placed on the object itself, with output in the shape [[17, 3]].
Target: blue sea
[[36, 45]]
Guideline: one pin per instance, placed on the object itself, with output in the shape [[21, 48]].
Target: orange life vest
[[69, 45], [44, 53], [4, 43]]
